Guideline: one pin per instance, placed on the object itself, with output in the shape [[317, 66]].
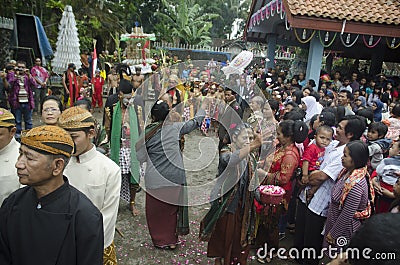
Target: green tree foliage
[[183, 21], [228, 11], [95, 18], [145, 14], [189, 23]]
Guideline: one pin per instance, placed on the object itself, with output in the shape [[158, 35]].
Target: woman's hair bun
[[300, 131]]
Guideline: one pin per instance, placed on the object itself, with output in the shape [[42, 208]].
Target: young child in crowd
[[387, 175], [313, 156], [386, 97], [378, 145], [84, 92]]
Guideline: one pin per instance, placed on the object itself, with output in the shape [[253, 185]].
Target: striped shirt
[[22, 94], [341, 221]]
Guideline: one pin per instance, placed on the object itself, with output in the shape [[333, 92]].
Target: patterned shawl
[[116, 139], [356, 176]]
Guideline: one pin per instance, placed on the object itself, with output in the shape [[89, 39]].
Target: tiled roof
[[370, 11]]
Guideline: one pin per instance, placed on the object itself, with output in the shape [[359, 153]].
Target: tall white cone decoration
[[67, 50]]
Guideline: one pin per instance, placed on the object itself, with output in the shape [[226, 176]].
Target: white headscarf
[[312, 107]]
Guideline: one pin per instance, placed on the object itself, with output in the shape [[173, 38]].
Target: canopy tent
[[29, 39], [360, 29]]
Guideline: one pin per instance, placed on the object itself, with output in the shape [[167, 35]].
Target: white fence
[[6, 23], [233, 50]]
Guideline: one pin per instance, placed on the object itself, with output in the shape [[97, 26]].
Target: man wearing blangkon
[[92, 173], [8, 155], [48, 222]]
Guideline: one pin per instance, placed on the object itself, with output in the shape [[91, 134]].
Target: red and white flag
[[94, 62]]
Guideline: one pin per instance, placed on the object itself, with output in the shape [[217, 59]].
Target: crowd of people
[[336, 155]]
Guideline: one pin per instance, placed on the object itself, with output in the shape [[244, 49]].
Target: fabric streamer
[[146, 45]]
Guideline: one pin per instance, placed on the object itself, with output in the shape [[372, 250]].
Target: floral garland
[[330, 43], [305, 41], [348, 45], [373, 45], [392, 46]]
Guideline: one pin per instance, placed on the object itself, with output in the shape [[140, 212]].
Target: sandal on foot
[[170, 247]]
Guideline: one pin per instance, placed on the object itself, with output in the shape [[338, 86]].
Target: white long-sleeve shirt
[[99, 178], [9, 181]]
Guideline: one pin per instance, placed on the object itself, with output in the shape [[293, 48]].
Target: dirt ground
[[135, 247], [134, 244]]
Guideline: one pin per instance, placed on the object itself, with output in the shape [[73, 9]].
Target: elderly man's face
[[33, 168]]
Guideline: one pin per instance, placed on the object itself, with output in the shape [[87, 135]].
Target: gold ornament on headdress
[[75, 118], [6, 118], [180, 87], [50, 139]]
